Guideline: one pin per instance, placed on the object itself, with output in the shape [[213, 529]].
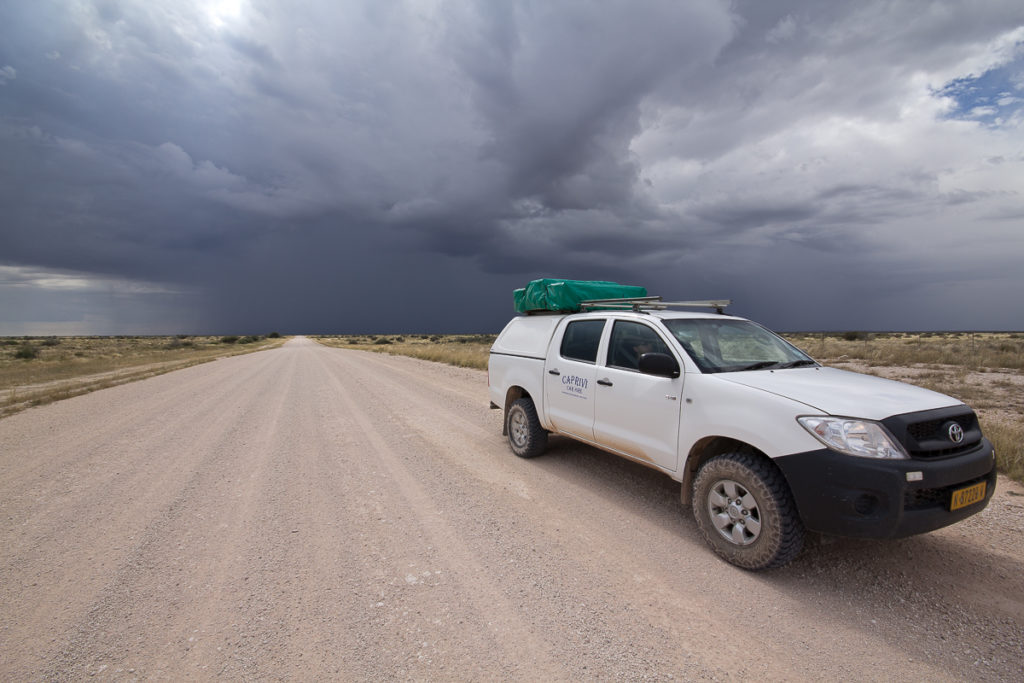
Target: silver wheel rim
[[517, 428], [734, 512]]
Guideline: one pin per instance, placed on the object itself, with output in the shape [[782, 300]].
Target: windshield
[[734, 345]]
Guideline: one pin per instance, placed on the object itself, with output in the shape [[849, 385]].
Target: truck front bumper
[[846, 495]]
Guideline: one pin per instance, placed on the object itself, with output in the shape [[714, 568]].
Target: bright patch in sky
[[224, 11], [28, 277], [993, 98]]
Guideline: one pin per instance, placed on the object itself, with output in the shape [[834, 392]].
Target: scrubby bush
[[475, 339], [249, 339], [274, 335], [382, 340], [230, 339], [26, 352]]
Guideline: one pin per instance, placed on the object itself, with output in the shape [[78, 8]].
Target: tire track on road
[[510, 639], [146, 619]]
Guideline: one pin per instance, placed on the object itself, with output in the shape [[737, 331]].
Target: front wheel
[[526, 436], [745, 511]]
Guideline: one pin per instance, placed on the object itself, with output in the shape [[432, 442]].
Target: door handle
[[604, 382], [554, 372]]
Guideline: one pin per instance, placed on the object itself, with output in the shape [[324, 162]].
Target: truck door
[[569, 382], [637, 414]]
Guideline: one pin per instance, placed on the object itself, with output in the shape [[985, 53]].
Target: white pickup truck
[[766, 442]]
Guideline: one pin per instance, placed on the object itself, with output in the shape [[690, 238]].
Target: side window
[[581, 340], [631, 340]]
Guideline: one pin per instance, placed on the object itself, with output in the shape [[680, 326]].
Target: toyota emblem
[[956, 433]]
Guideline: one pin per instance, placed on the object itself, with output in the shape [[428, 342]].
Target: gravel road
[[312, 513]]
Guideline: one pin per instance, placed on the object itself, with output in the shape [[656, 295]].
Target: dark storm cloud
[[561, 104], [246, 165]]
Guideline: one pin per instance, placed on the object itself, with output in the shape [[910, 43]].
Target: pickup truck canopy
[[564, 296]]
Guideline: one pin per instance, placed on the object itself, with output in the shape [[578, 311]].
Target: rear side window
[[581, 340], [631, 340]]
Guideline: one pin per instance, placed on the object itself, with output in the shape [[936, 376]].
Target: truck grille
[[926, 434], [929, 429]]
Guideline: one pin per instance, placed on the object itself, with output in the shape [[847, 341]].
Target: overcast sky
[[178, 166]]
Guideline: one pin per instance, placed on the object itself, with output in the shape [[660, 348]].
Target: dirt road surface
[[311, 513]]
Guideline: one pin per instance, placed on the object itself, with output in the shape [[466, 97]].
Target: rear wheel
[[746, 512], [525, 434]]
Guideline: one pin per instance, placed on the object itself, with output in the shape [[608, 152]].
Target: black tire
[[525, 435], [746, 513]]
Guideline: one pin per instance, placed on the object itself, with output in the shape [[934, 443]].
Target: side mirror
[[659, 365]]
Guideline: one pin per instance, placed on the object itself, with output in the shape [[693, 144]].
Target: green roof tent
[[564, 296]]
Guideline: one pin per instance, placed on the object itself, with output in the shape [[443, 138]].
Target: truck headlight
[[864, 438]]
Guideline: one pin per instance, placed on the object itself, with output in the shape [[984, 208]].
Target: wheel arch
[[513, 394], [707, 448]]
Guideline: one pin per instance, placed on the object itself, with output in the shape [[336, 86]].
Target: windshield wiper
[[798, 364], [760, 365]]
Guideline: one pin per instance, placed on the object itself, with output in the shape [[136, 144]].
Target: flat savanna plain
[[39, 370]]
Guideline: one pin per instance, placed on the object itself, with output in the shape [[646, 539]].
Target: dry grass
[[462, 350], [40, 370], [971, 350], [1008, 440]]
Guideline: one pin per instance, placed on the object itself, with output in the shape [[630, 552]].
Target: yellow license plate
[[968, 496]]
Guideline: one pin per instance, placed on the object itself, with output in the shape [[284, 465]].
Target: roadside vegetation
[[39, 370], [983, 369], [461, 350], [977, 351]]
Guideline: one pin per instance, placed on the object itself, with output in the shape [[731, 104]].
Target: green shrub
[[274, 335], [230, 339], [249, 339], [26, 352]]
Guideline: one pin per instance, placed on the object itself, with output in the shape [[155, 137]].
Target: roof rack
[[652, 303]]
